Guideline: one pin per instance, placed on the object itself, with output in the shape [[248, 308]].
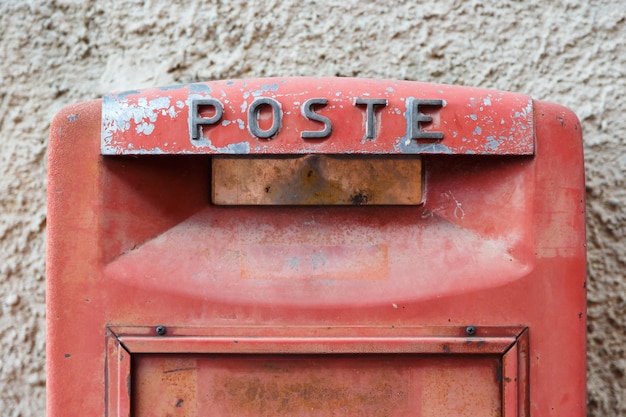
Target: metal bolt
[[160, 330], [470, 330]]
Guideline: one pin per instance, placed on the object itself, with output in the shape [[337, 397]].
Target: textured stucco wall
[[53, 53]]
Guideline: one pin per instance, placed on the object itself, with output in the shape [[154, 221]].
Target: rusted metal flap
[[316, 180], [317, 115], [314, 385]]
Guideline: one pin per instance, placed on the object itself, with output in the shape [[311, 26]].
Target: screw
[[470, 330], [160, 330]]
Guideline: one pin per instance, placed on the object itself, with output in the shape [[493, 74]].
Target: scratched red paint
[[321, 386], [479, 292], [475, 121]]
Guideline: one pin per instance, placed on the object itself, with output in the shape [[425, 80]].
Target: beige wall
[[53, 53]]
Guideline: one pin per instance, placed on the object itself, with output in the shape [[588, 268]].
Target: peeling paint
[[240, 148], [492, 144], [172, 87], [124, 94], [270, 87], [172, 112], [117, 115], [199, 88], [145, 128], [473, 118], [426, 148]]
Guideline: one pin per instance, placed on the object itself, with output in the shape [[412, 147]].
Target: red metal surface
[[498, 244], [320, 371], [471, 120], [256, 340]]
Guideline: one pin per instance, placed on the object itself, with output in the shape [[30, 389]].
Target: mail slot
[[316, 247]]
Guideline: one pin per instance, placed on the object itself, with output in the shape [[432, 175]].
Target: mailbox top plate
[[317, 116]]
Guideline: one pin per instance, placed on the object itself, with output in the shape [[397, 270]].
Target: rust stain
[[498, 373], [317, 179], [164, 384], [462, 387], [302, 385], [320, 386], [259, 397]]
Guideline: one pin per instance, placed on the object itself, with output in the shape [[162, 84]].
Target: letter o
[[253, 118]]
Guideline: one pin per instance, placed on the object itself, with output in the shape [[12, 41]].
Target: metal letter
[[307, 111], [194, 117], [416, 118], [370, 125], [253, 122]]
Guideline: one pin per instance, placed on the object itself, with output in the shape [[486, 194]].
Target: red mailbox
[[316, 247]]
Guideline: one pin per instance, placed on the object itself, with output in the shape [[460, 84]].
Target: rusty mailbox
[[316, 247]]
